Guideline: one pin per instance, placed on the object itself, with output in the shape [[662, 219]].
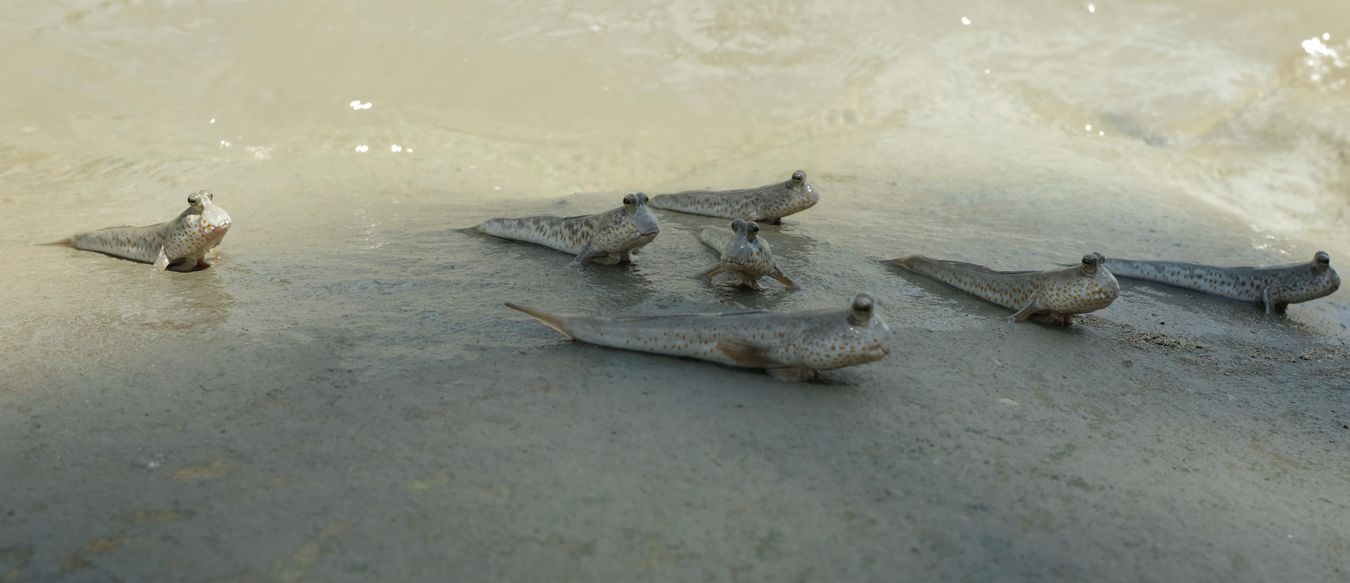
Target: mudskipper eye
[[862, 303], [1322, 257], [1089, 260], [192, 199], [628, 199], [210, 196], [754, 228], [798, 176]]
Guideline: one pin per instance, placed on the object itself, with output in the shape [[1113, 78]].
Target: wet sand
[[343, 397]]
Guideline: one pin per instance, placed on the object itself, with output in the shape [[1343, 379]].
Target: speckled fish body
[[1058, 294], [1271, 287], [742, 253], [613, 236], [187, 241], [764, 204], [788, 345]]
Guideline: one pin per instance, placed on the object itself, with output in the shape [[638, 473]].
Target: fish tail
[[542, 230], [662, 201], [549, 320], [135, 243], [697, 203], [908, 263], [506, 228], [1134, 269]]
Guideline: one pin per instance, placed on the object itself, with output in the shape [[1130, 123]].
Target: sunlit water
[[347, 141]]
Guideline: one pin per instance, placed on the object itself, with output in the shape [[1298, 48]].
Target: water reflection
[[201, 301], [1322, 64]]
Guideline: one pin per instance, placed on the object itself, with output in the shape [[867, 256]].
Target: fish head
[[644, 221], [747, 248], [1333, 279], [859, 336], [749, 230], [632, 225], [1321, 262], [802, 192], [1086, 288], [211, 220], [1091, 263], [1324, 281]]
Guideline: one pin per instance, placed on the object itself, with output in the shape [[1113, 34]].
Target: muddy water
[[351, 344]]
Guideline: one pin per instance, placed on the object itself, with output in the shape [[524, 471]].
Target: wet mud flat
[[360, 405]]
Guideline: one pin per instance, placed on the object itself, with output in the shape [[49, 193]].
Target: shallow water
[[352, 344]]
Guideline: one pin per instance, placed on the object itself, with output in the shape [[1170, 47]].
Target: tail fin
[[906, 263], [63, 243], [658, 201], [549, 320]]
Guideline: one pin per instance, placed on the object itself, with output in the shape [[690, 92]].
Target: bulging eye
[[1090, 260], [192, 199], [628, 199], [798, 176], [210, 196], [1322, 257], [754, 228]]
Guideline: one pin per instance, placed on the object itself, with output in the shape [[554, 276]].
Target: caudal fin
[[660, 201], [907, 263], [549, 320]]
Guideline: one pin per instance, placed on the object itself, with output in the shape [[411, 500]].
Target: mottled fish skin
[[1057, 294], [764, 204], [742, 253], [1271, 287], [793, 346], [186, 242], [613, 236]]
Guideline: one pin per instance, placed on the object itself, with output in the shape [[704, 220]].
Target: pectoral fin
[[162, 262], [747, 355], [783, 278], [711, 273], [1024, 313], [584, 256]]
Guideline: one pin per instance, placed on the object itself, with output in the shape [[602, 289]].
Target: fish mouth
[[215, 233]]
